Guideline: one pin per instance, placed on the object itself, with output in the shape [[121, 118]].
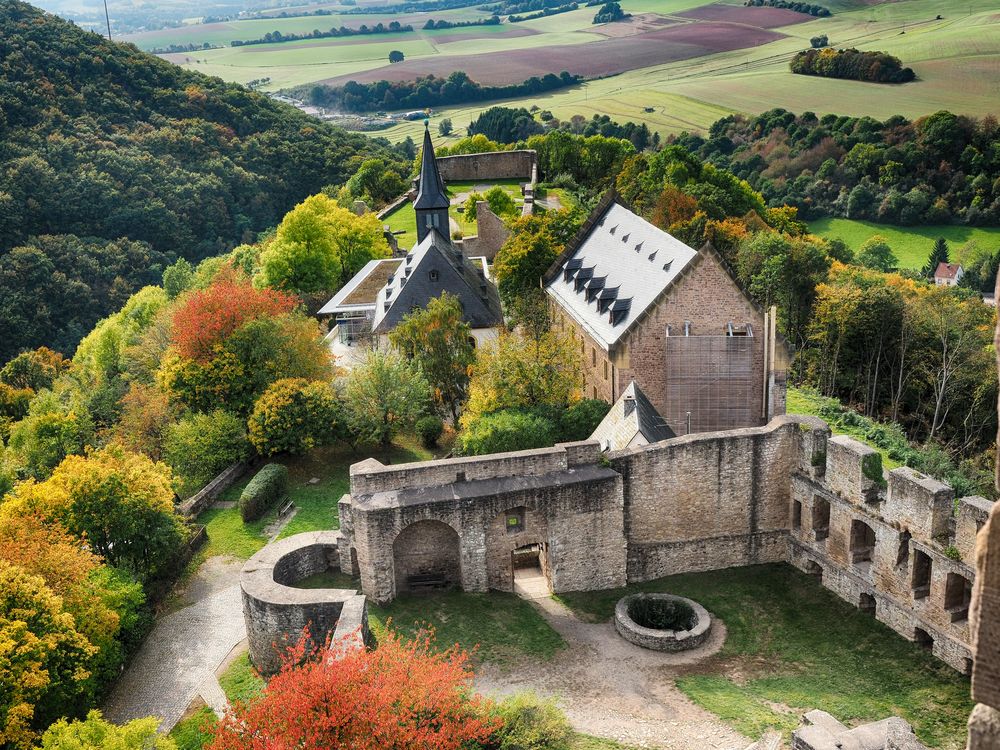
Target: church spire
[[432, 201]]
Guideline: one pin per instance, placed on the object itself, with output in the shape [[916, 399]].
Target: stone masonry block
[[853, 470], [973, 512], [918, 503]]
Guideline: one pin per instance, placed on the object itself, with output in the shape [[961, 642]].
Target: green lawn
[[793, 646], [194, 731], [911, 245], [240, 682], [500, 627], [806, 401], [404, 219]]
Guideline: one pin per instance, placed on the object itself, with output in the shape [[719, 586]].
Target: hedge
[[263, 491]]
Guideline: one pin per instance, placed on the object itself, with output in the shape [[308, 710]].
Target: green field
[[404, 219], [911, 245]]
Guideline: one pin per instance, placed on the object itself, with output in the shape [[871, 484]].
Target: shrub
[[429, 428], [580, 420], [200, 446], [662, 614], [263, 491], [294, 415], [509, 430], [528, 722]]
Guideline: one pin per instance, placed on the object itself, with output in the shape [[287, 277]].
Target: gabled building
[[646, 308], [380, 295], [631, 422], [948, 274]]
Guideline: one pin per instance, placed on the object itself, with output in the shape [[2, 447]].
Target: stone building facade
[[784, 492], [647, 308]]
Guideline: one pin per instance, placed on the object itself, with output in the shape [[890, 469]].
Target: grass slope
[[782, 657], [912, 245]]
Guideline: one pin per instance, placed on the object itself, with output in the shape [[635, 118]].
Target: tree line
[[274, 37], [938, 169], [431, 24], [810, 8], [876, 67], [427, 91]]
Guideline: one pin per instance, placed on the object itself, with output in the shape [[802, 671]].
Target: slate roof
[[432, 267], [361, 291], [615, 270], [947, 270], [632, 414], [430, 189]]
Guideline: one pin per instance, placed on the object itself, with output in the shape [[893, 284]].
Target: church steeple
[[432, 202]]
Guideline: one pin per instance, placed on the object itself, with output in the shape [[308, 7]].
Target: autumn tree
[[36, 369], [95, 733], [294, 416], [205, 318], [43, 658], [58, 425], [120, 501], [383, 395], [89, 592], [399, 695], [517, 371], [440, 342], [533, 246], [320, 246]]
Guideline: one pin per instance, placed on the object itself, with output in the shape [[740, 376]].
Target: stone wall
[[277, 613], [491, 233], [496, 165]]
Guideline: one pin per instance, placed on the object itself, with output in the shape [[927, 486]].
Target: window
[[867, 604], [821, 518], [796, 514], [593, 391], [862, 542], [514, 520], [921, 581], [433, 275], [903, 554], [957, 595], [593, 357], [605, 369]]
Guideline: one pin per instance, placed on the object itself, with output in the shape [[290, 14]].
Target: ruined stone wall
[[571, 507], [712, 500], [496, 165], [491, 233], [890, 550]]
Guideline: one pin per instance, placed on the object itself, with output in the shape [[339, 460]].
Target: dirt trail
[[610, 688]]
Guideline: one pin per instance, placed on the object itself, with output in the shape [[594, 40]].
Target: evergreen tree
[[938, 255]]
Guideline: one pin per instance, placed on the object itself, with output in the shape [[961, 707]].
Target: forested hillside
[[144, 159], [938, 169]]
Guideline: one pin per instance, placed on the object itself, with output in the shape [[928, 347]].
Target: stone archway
[[426, 555]]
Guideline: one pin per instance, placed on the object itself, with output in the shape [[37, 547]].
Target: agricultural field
[[676, 65], [911, 245]]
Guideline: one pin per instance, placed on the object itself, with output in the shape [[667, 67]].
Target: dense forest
[[426, 91], [937, 169], [853, 64], [114, 162], [809, 8]]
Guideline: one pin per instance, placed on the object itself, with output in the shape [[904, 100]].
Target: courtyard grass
[[793, 646], [497, 627], [193, 731]]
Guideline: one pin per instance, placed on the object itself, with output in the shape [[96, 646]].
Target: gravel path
[[610, 688], [178, 659]]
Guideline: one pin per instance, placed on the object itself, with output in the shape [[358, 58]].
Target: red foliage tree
[[207, 316], [400, 696]]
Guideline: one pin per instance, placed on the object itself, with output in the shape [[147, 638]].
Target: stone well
[[662, 640], [276, 612]]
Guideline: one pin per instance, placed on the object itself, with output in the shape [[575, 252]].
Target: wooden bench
[[426, 581]]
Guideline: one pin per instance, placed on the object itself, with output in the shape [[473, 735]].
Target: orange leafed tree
[[400, 696], [207, 316]]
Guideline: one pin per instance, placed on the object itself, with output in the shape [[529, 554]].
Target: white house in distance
[[948, 274], [385, 291]]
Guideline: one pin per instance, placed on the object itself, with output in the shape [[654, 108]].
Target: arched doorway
[[426, 556]]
